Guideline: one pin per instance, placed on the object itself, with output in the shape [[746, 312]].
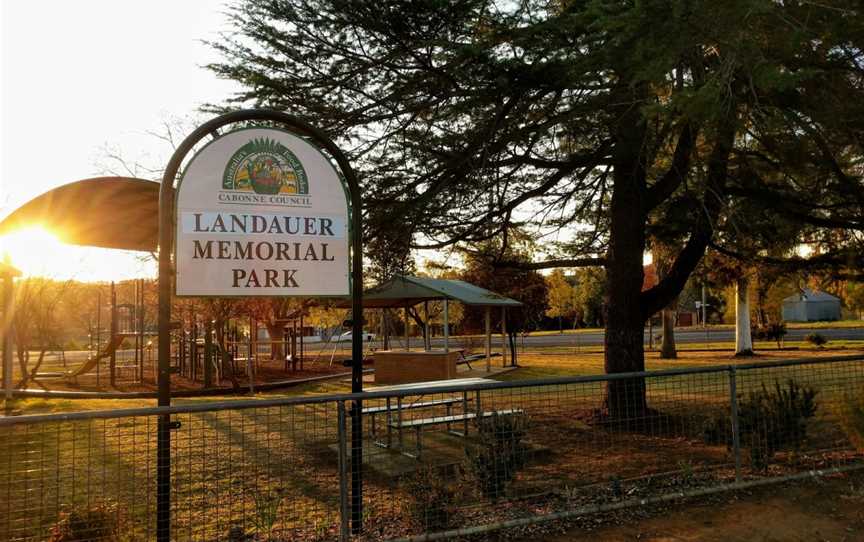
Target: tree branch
[[672, 179], [551, 264]]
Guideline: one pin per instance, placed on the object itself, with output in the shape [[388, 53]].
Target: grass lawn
[[540, 362], [838, 324], [228, 465]]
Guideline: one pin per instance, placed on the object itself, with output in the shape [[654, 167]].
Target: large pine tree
[[599, 117]]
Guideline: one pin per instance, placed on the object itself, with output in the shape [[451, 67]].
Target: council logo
[[266, 167]]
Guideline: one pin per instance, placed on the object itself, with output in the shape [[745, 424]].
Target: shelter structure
[[106, 212], [811, 306], [403, 291]]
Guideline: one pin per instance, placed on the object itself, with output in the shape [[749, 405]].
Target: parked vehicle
[[347, 336]]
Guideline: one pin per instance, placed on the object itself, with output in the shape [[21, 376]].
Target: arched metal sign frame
[[166, 275]]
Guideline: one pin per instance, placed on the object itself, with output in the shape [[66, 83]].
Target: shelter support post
[[407, 333], [208, 352], [446, 325], [7, 336], [98, 330], [302, 352], [488, 339], [385, 321], [427, 342], [113, 362], [504, 336]]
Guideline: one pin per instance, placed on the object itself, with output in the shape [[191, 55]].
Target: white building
[[811, 306]]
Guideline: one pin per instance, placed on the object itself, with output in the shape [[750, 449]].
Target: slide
[[91, 363]]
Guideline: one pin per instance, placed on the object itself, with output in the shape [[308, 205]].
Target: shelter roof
[[811, 295], [405, 291], [107, 212]]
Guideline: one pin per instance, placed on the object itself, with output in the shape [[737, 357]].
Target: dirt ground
[[826, 510]]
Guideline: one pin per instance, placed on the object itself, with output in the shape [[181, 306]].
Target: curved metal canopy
[[106, 212]]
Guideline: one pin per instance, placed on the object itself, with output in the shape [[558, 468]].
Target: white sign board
[[261, 212]]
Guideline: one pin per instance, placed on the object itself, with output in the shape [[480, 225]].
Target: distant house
[[811, 306], [683, 316]]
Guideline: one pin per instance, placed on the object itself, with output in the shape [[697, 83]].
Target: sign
[[261, 212]]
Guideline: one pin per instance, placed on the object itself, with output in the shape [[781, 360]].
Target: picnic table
[[394, 415]]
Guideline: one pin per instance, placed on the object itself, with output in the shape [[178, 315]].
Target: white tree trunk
[[743, 340]]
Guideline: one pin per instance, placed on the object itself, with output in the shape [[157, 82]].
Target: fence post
[[344, 512], [736, 434], [163, 478]]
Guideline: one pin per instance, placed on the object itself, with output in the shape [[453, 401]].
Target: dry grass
[[556, 364]]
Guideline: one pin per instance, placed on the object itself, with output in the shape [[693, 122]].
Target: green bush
[[429, 500], [773, 420], [816, 339], [267, 504], [102, 522], [499, 452]]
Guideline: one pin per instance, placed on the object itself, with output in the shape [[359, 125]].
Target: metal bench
[[466, 360], [388, 409], [418, 425]]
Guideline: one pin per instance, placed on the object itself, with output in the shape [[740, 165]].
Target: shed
[[811, 306]]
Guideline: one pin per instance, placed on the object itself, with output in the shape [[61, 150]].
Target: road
[[683, 336], [587, 338]]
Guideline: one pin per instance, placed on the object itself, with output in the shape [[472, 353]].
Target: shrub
[[770, 421], [775, 332], [100, 522], [715, 430], [429, 499], [816, 339], [499, 452], [267, 504], [852, 419]]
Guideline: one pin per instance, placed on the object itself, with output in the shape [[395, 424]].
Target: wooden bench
[[418, 425]]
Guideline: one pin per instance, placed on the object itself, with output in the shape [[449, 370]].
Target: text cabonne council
[[262, 250]]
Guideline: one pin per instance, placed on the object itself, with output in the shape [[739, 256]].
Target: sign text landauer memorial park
[[261, 211]]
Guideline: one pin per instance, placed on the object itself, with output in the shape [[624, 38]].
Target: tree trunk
[[761, 295], [667, 348], [277, 336], [743, 341], [625, 325]]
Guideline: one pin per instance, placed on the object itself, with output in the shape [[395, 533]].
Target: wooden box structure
[[401, 366]]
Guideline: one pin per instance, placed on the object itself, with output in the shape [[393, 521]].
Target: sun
[[39, 252], [33, 250]]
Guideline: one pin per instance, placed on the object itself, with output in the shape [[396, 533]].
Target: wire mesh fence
[[463, 457]]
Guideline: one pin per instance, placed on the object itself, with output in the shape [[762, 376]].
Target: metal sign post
[[263, 174]]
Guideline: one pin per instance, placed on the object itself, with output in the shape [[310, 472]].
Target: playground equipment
[[125, 348]]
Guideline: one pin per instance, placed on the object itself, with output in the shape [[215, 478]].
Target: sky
[[80, 80]]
